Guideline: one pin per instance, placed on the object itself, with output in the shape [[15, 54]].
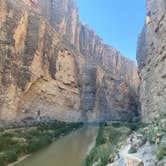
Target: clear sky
[[117, 22]]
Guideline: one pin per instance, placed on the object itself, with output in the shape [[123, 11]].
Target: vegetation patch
[[154, 133], [107, 144], [161, 151], [112, 135], [17, 142]]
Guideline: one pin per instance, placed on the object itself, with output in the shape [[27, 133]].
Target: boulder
[[131, 160], [136, 141]]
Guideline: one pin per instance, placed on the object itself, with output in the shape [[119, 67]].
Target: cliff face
[[66, 22], [151, 56], [52, 63]]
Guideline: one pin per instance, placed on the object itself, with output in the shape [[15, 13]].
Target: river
[[69, 150]]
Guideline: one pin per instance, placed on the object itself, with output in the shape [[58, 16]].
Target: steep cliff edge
[[52, 65], [151, 56]]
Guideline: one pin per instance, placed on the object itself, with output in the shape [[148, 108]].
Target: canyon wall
[[66, 22], [53, 66], [151, 57]]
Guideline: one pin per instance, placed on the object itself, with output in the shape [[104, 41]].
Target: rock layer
[[52, 65], [151, 57]]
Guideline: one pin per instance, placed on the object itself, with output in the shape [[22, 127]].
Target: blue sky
[[117, 22]]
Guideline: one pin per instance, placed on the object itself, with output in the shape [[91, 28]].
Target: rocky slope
[[151, 56], [51, 65]]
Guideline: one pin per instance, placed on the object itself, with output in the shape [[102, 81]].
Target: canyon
[[53, 65], [56, 72]]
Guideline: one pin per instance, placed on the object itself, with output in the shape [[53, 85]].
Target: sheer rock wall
[[50, 62], [151, 57]]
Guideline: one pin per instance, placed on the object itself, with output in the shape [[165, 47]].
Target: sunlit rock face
[[65, 21], [151, 57], [50, 62]]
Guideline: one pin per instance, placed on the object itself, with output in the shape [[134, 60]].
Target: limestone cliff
[[151, 56], [66, 22], [50, 62]]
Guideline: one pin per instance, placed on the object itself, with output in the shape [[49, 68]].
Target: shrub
[[6, 142], [33, 146], [104, 153], [132, 125], [136, 126], [20, 149], [45, 140], [100, 137], [161, 151], [2, 160], [117, 124], [11, 156], [8, 157], [101, 153]]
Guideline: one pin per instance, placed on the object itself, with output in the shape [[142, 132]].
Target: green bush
[[6, 142], [132, 125], [2, 160], [104, 153], [7, 157], [45, 140], [161, 152], [117, 135], [20, 148], [101, 153], [11, 156], [117, 124], [100, 137], [136, 126]]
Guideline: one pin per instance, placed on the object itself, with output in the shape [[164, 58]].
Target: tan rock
[[20, 33], [133, 161], [147, 20]]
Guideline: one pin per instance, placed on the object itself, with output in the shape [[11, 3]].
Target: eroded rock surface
[[151, 56], [52, 64]]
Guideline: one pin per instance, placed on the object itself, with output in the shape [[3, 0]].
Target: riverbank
[[108, 141], [148, 146], [18, 142], [126, 144], [19, 160]]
